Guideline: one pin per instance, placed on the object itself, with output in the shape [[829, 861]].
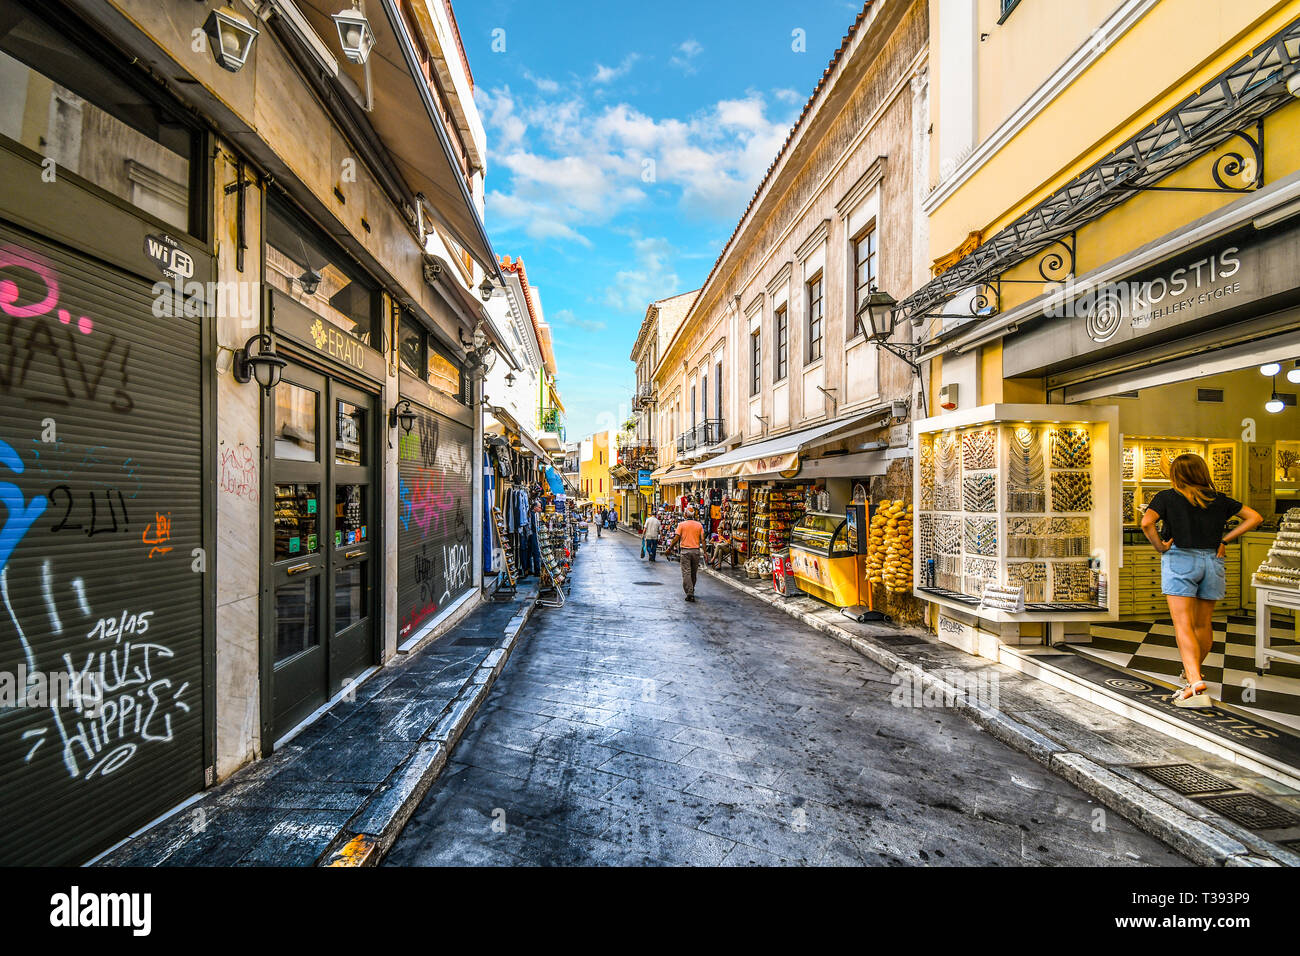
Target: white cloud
[[607, 74], [566, 319], [651, 279], [566, 165], [684, 59]]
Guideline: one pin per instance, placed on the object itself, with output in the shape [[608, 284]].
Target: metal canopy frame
[[1217, 112]]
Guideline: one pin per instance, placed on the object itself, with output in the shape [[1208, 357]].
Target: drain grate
[[1187, 778], [651, 584], [1251, 812]]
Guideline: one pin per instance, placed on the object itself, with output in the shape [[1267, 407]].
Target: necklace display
[[1071, 581], [1071, 491], [1030, 575], [980, 493], [1025, 489], [1129, 463], [927, 474], [982, 536], [979, 449], [1071, 448], [947, 477], [1221, 469]]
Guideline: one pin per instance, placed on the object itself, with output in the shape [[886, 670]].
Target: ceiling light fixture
[[1274, 404]]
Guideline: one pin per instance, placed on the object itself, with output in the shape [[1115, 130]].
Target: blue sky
[[624, 141]]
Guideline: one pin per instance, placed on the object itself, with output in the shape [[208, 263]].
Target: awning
[[678, 477], [512, 425], [780, 454]]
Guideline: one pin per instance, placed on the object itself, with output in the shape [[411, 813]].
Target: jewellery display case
[[1023, 496]]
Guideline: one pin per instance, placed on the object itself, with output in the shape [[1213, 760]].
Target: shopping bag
[[643, 549]]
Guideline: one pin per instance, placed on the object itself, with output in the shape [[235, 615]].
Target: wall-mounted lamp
[[265, 364], [230, 38], [486, 289], [1275, 403], [1270, 369], [510, 379], [402, 414], [310, 281], [1293, 374], [355, 36]]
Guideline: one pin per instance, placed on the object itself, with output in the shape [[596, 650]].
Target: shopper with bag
[[650, 538]]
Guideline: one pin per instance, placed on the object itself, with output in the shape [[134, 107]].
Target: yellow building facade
[[594, 482], [1114, 222]]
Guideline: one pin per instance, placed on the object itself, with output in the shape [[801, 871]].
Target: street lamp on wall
[[230, 38], [402, 414], [486, 289], [355, 36], [880, 310], [265, 365]]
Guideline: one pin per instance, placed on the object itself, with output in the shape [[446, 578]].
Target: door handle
[[298, 568], [355, 554]]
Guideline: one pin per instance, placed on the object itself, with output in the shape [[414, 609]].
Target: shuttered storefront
[[101, 464], [434, 509]]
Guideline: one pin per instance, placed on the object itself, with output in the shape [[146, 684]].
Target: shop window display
[[1015, 497]]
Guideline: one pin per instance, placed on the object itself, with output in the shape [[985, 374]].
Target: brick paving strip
[[1092, 748], [339, 793]]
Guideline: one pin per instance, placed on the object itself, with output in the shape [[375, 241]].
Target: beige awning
[[780, 454]]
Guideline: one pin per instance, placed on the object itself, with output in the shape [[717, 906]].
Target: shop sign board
[[301, 324], [1201, 289], [643, 478]]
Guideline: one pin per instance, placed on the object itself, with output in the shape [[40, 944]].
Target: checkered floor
[[1149, 647]]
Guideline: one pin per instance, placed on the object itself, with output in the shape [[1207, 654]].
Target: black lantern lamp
[[402, 414], [485, 290], [355, 36], [230, 38], [878, 314], [310, 281], [265, 364]]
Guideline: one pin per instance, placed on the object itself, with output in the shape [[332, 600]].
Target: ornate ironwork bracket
[[1055, 264], [1231, 165]]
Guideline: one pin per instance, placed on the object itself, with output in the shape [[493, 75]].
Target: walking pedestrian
[[650, 538], [690, 534], [1192, 571], [600, 521]]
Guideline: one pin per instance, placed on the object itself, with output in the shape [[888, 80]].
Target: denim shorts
[[1189, 572]]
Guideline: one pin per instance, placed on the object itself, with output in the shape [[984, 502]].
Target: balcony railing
[[704, 434], [550, 421]]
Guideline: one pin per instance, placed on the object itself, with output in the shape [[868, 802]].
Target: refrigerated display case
[[825, 562]]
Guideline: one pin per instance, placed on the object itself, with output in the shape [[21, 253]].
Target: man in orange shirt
[[690, 534]]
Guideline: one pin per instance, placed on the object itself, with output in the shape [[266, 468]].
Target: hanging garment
[[489, 501]]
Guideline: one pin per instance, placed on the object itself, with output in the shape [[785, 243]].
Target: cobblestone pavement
[[632, 728]]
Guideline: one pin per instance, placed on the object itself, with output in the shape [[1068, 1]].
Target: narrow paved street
[[632, 728]]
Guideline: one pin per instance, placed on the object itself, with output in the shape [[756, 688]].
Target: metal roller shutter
[[434, 538], [101, 479]]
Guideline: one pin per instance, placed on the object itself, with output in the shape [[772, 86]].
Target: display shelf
[[1021, 496]]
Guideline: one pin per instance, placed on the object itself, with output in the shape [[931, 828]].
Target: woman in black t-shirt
[[1192, 572]]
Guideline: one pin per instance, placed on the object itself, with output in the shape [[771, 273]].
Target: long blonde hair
[[1190, 476]]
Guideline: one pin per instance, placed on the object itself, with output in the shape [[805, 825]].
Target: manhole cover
[[1251, 812], [649, 584], [1187, 778]]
